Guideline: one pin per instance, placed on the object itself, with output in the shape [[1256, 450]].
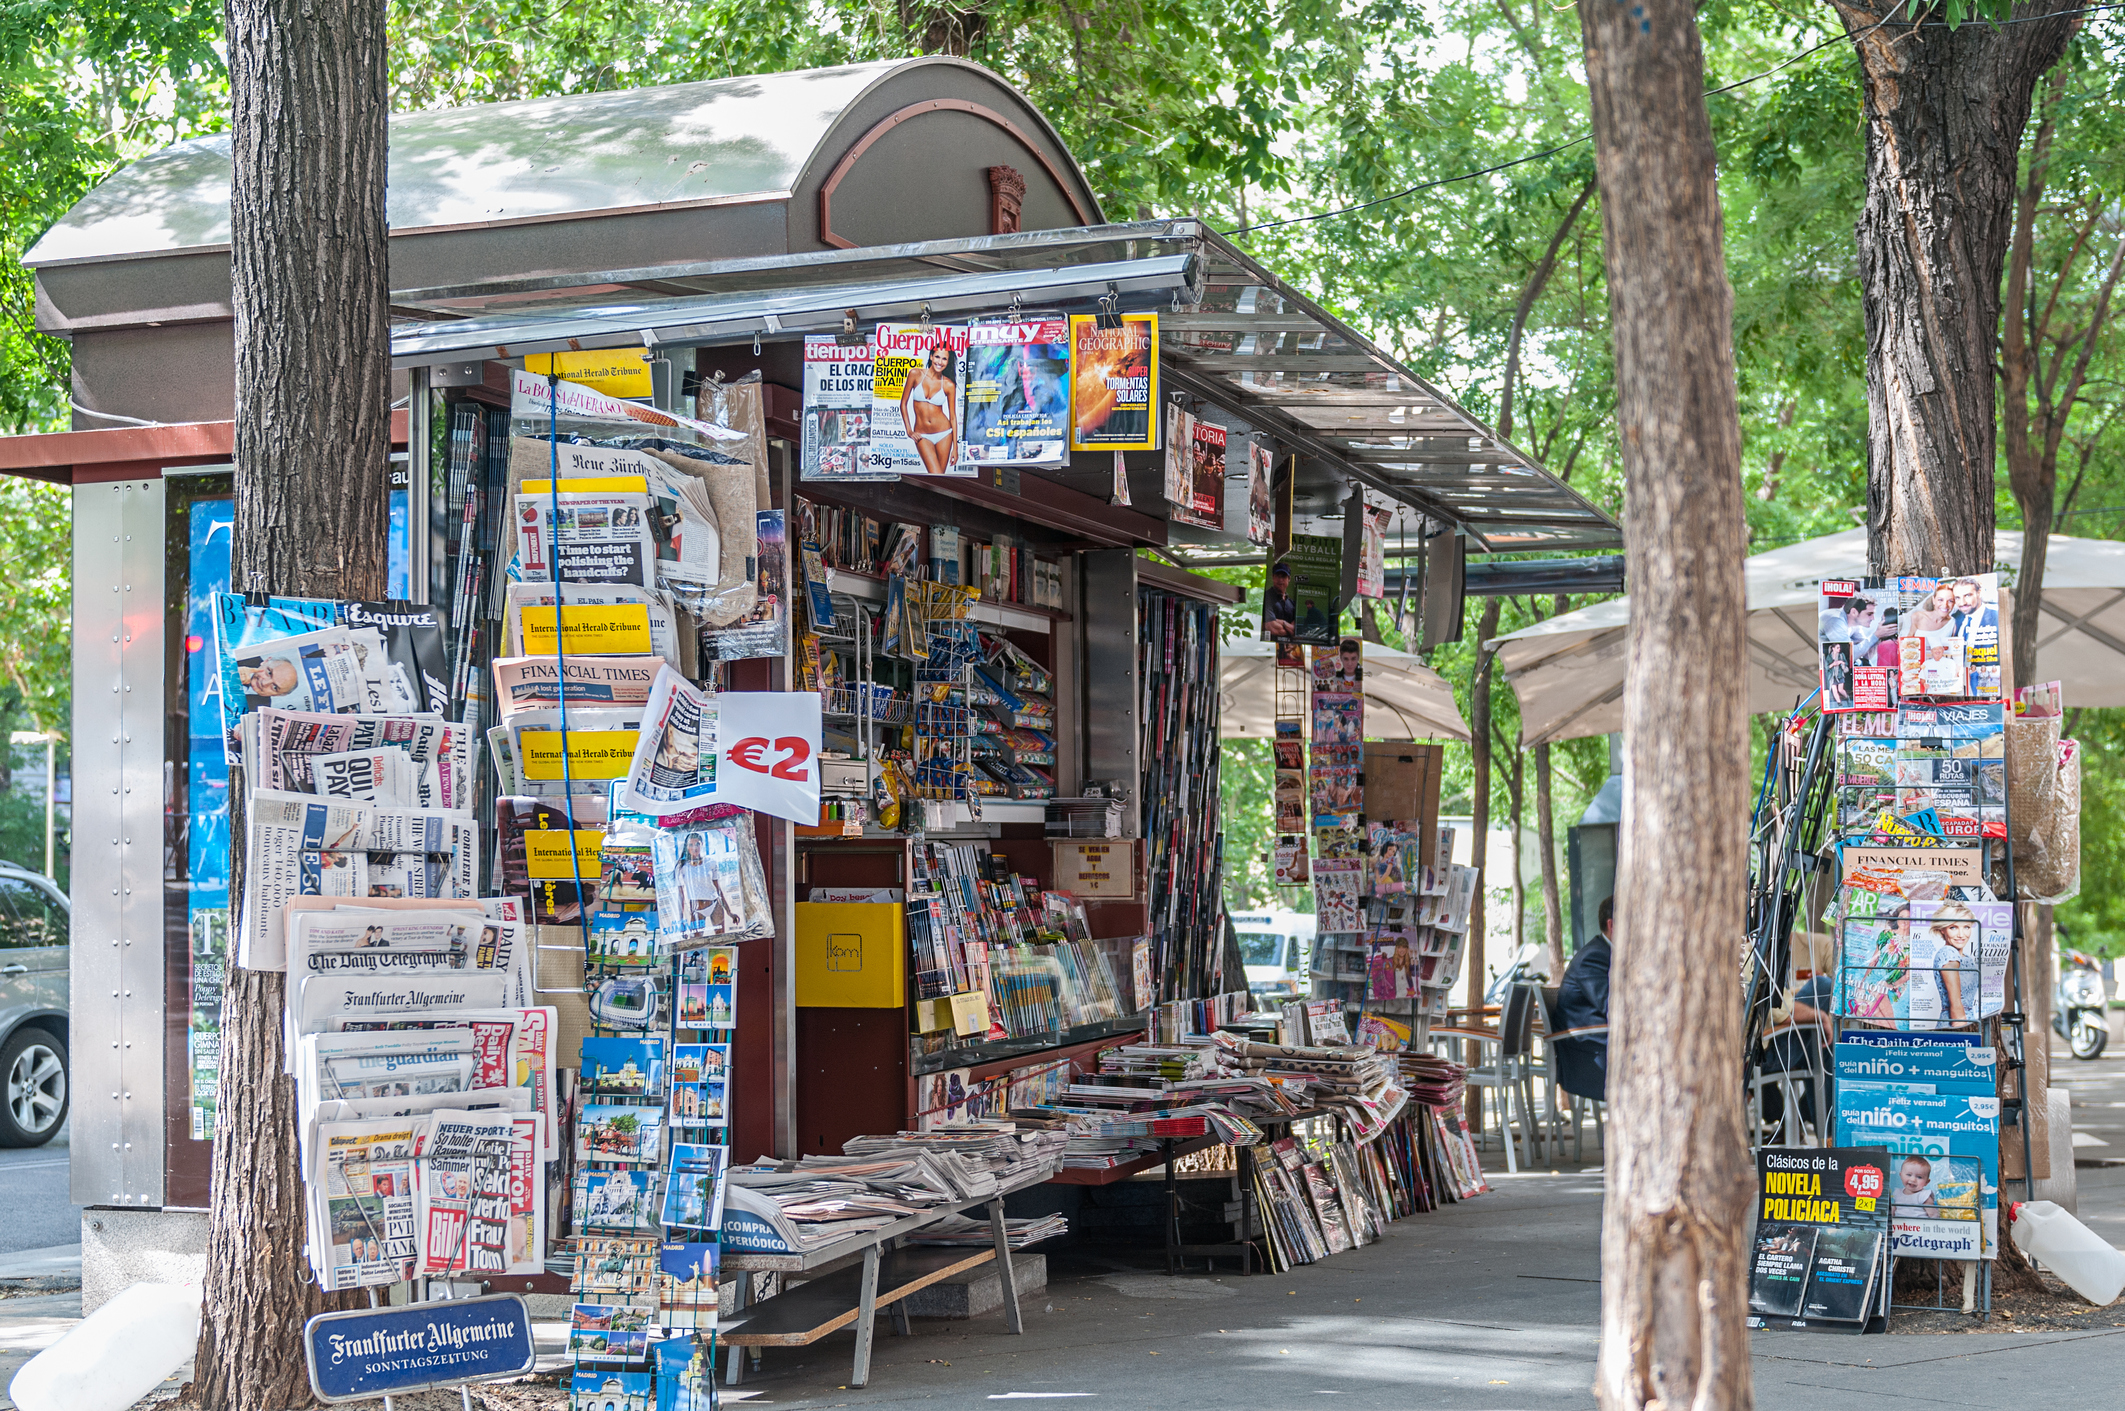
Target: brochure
[[1821, 1255]]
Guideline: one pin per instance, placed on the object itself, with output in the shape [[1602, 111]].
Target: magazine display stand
[[1887, 813]]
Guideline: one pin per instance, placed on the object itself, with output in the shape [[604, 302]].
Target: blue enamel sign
[[367, 1352]]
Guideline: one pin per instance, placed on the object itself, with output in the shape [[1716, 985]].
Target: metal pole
[[51, 797], [419, 408]]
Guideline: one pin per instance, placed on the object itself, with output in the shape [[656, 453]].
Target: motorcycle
[[2079, 1009]]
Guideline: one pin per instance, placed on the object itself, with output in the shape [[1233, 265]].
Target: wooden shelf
[[810, 1311]]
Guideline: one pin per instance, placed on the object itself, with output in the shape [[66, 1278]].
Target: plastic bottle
[[120, 1353], [2068, 1248]]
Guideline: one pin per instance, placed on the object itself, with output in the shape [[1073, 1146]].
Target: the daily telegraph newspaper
[[674, 765], [598, 528], [534, 683], [353, 940], [301, 845]]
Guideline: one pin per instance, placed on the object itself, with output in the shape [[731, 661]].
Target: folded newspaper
[[300, 845], [674, 764]]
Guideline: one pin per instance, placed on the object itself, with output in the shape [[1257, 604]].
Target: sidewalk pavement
[[1492, 1303]]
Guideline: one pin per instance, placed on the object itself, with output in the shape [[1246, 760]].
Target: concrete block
[[120, 1248], [973, 1292]]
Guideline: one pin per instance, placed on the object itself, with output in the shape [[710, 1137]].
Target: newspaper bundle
[[683, 523], [464, 1215], [534, 683], [579, 753]]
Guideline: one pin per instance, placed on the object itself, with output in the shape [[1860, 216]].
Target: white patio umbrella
[[1404, 698], [1568, 671]]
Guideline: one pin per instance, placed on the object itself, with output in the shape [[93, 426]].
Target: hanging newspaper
[[596, 529], [1018, 392], [682, 519], [837, 410], [535, 401], [674, 765]]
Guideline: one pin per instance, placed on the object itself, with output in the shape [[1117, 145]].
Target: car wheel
[[34, 1065]]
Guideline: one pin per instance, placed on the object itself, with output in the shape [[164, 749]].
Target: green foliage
[[2094, 921], [36, 611]]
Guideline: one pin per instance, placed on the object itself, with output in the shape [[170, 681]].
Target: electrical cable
[[1587, 137]]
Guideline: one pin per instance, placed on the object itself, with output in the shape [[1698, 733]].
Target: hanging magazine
[[836, 436], [1017, 390]]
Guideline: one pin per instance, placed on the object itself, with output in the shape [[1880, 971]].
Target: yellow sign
[[546, 854], [589, 485], [617, 372], [1096, 871], [592, 754], [592, 629], [851, 955]]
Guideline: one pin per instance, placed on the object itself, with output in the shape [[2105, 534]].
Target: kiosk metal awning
[[1235, 336]]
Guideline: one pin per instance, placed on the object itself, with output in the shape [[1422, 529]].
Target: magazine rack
[[1798, 823]]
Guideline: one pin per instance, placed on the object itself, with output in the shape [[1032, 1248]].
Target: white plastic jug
[[2068, 1248], [119, 1354]]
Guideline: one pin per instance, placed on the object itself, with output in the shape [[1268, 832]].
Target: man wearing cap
[[1280, 615]]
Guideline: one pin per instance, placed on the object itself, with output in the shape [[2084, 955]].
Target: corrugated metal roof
[[683, 144], [1234, 334]]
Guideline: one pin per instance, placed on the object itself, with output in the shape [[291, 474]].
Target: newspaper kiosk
[[698, 234]]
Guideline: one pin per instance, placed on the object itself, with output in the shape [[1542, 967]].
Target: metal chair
[[1513, 1071]]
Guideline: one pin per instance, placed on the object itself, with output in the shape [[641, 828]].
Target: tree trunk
[[1674, 1292], [311, 294], [1516, 793], [1546, 840], [1945, 110]]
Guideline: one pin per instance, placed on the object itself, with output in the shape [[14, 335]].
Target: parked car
[[34, 1004], [1274, 946]]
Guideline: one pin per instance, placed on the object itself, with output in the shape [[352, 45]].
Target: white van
[[1275, 946]]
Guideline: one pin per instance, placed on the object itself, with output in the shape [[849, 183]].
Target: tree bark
[[312, 443], [1673, 1293], [1945, 109]]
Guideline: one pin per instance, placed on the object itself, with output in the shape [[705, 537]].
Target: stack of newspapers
[[425, 1089]]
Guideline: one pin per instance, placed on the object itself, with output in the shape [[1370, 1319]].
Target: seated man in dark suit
[[1582, 1004]]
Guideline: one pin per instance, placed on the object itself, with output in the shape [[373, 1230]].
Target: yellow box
[[851, 955]]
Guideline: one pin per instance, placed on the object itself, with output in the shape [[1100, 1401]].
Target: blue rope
[[560, 651]]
